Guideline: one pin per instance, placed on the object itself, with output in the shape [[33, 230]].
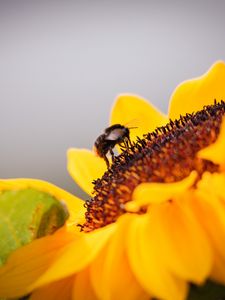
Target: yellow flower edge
[[84, 166], [191, 95], [134, 111]]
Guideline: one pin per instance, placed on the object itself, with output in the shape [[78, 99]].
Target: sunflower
[[156, 218]]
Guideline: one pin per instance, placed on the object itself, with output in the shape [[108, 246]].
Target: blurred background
[[62, 63]]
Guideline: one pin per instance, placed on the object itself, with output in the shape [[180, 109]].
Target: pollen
[[166, 155]]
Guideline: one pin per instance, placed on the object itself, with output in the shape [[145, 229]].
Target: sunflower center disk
[[167, 155]]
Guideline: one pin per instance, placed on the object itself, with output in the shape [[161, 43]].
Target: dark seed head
[[168, 154]]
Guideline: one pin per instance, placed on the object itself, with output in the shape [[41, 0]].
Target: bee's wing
[[114, 134]]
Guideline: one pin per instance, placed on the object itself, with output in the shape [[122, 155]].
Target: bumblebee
[[114, 135]]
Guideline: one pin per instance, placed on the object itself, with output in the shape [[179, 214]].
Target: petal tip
[[191, 95], [131, 96], [218, 67], [218, 63]]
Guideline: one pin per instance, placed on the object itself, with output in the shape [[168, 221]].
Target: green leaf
[[209, 291], [26, 215]]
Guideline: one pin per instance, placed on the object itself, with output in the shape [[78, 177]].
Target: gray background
[[62, 63]]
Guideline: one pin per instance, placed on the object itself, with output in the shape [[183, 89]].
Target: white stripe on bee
[[115, 134]]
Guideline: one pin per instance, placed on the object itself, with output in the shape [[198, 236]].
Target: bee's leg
[[112, 154], [126, 143], [129, 141], [106, 160], [122, 146]]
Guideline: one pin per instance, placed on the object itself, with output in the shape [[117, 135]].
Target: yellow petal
[[28, 263], [76, 256], [212, 216], [218, 270], [82, 289], [182, 243], [148, 265], [147, 193], [57, 290], [135, 111], [216, 151], [190, 96], [209, 206], [74, 204], [84, 167], [212, 183], [116, 280], [97, 273]]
